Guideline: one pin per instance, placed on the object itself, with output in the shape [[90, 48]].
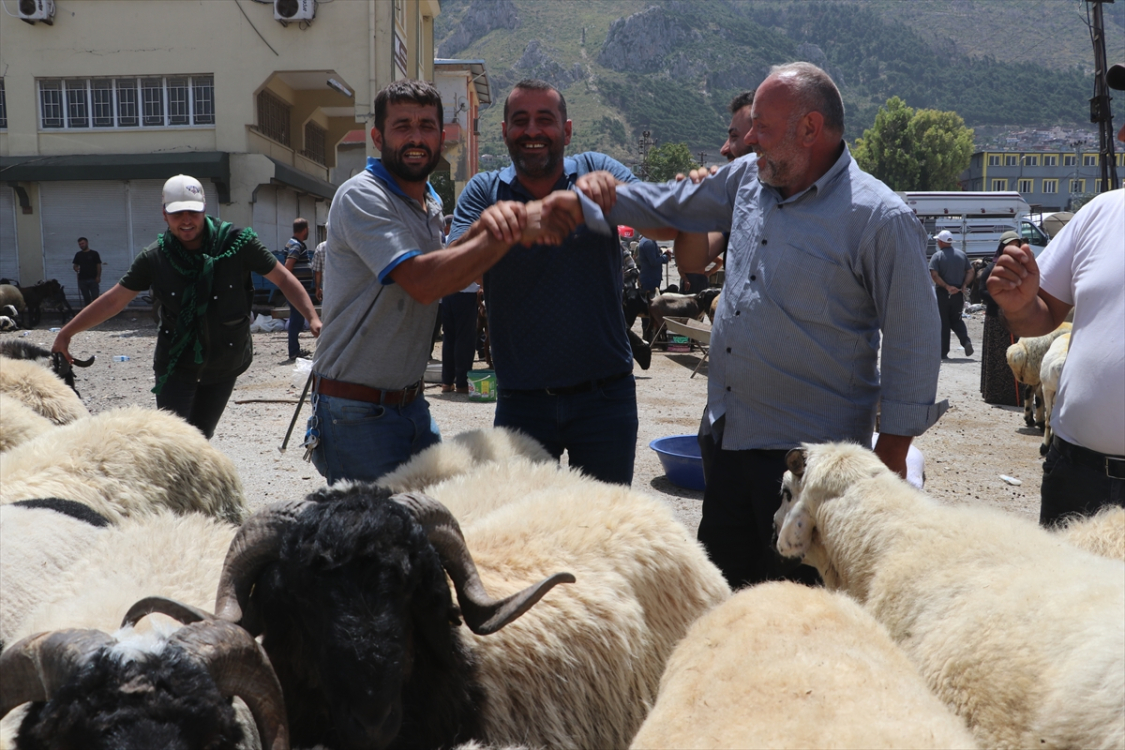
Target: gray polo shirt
[[375, 334], [951, 265]]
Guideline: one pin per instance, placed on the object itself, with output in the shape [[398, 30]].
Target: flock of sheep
[[482, 596]]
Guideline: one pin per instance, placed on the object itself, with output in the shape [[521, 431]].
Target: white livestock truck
[[975, 219]]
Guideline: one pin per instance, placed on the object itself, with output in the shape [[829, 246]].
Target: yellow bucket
[[482, 385]]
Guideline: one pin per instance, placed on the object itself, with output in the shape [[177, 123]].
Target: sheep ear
[[795, 537], [795, 461]]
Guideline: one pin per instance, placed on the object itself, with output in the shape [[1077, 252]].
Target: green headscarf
[[198, 268]]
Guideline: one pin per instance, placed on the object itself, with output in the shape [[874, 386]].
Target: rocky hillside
[[671, 66]]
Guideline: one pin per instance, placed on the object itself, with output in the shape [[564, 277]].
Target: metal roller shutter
[[146, 214], [9, 249], [265, 217], [96, 210], [286, 212]]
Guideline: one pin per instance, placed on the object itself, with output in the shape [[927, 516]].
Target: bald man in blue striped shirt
[[826, 268]]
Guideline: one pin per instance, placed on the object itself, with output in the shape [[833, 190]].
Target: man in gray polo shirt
[[951, 272], [383, 279]]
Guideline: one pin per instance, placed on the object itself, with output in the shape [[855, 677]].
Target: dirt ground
[[965, 453]]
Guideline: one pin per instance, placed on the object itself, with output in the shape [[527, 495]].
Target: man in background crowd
[[88, 265]]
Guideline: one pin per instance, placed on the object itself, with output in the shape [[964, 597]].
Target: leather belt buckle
[[1115, 467]]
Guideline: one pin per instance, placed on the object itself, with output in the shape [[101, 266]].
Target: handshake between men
[[545, 222]]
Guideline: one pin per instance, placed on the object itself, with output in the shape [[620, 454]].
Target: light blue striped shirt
[[811, 282]]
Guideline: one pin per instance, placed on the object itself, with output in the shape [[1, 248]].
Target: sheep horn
[[185, 613], [37, 666], [483, 614], [84, 362], [239, 666], [256, 545]]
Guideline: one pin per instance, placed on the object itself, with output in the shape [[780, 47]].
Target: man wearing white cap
[[199, 272], [951, 272]]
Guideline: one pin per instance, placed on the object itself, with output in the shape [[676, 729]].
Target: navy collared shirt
[[827, 309], [554, 313]]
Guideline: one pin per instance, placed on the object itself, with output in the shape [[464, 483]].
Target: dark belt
[[570, 390], [1113, 466], [339, 389]]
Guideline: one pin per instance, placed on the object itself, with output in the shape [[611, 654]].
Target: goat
[[783, 665], [168, 687], [1018, 631], [1025, 357], [693, 306], [50, 292]]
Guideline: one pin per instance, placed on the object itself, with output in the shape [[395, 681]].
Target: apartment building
[[1048, 180], [111, 97]]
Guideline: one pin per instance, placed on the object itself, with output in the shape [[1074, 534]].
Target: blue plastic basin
[[679, 455]]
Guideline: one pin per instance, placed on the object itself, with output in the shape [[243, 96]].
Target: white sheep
[[1025, 357], [1049, 373], [1102, 533], [123, 462], [36, 545], [1021, 633], [461, 454], [783, 665], [18, 423], [41, 390], [578, 670]]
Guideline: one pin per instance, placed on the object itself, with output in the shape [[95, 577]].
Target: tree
[[443, 186], [668, 159], [909, 149]]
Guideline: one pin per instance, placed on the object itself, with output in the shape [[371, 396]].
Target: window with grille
[[1011, 160], [1089, 161], [3, 107], [1050, 161], [999, 184], [994, 160], [273, 118], [1050, 186], [1026, 186], [172, 101], [316, 138]]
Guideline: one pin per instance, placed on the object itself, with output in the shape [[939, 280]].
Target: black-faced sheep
[[170, 688], [18, 423], [124, 462], [1021, 633], [34, 297], [1025, 357], [60, 365], [41, 390], [1102, 533], [783, 665]]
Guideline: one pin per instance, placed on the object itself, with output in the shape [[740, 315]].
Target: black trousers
[[743, 492], [200, 405], [459, 337], [950, 307], [1070, 487]]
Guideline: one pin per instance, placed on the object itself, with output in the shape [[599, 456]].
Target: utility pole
[[702, 156], [1100, 112], [644, 143]]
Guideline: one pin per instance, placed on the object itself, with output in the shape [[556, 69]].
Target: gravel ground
[[965, 453]]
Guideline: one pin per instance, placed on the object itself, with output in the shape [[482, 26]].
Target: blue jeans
[[597, 429], [362, 441], [296, 325]]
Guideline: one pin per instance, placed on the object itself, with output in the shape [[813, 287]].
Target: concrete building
[[464, 90], [1049, 180], [112, 97]]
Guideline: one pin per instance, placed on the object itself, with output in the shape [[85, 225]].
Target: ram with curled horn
[[348, 592], [169, 686]]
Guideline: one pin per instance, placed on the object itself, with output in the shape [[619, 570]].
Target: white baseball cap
[[183, 193], [944, 236]]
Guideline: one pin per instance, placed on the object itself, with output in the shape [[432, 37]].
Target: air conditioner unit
[[36, 10], [294, 10]]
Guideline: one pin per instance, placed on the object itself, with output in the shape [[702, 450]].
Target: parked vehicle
[[975, 219]]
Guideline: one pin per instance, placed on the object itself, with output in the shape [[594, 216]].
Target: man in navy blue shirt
[[563, 364]]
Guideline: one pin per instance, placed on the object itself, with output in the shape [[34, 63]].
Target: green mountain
[[671, 66]]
